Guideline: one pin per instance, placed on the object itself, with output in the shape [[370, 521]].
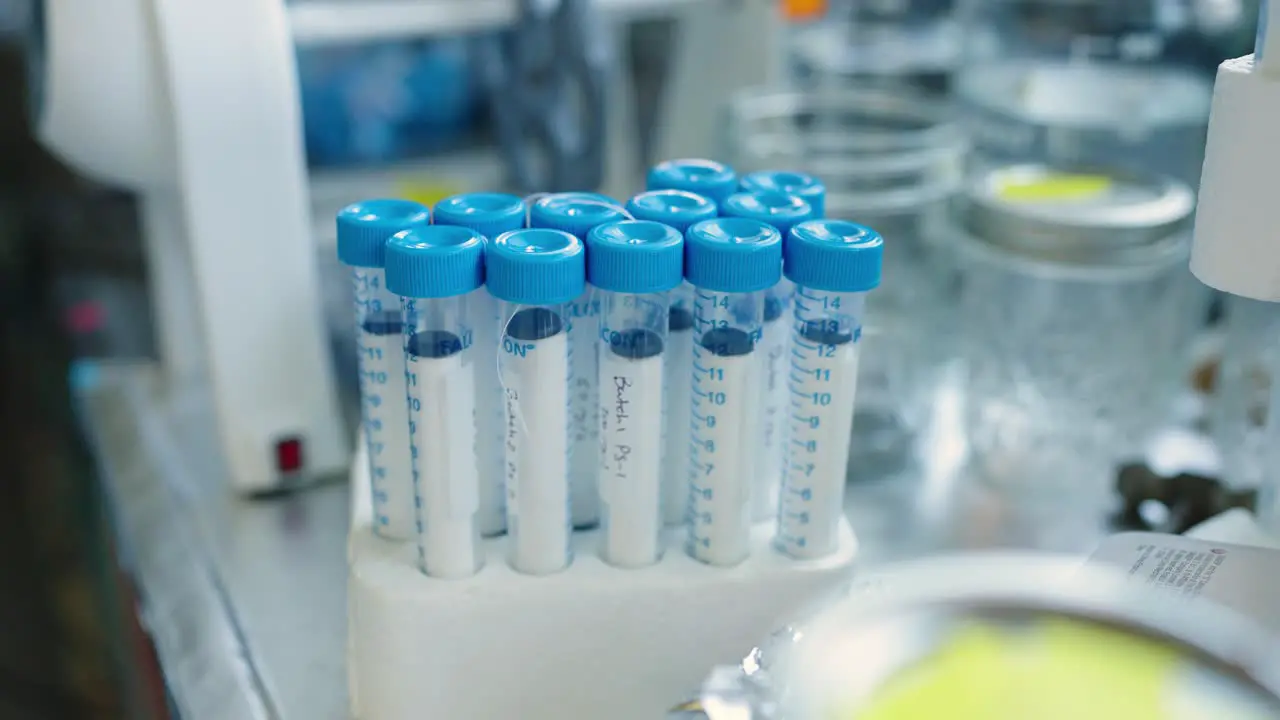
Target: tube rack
[[593, 641]]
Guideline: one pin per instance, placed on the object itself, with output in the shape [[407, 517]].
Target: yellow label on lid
[[427, 192], [1055, 187]]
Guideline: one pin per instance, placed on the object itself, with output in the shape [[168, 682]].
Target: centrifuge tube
[[489, 214], [536, 274], [833, 264], [363, 231], [436, 271], [804, 186], [681, 210], [576, 214], [632, 265], [782, 211], [709, 178], [730, 262]]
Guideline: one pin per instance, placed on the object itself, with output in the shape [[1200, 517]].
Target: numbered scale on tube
[[680, 210], [730, 262], [833, 265], [363, 231], [782, 211], [437, 272]]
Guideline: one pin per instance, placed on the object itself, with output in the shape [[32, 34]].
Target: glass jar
[[1085, 82], [910, 45], [891, 161], [1076, 311], [1242, 391]]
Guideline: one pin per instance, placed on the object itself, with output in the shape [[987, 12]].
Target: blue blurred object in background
[[386, 102]]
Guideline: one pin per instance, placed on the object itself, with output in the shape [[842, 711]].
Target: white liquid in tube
[[441, 383], [384, 405], [726, 388], [678, 376], [490, 423], [774, 345], [583, 419], [630, 479], [822, 384], [536, 372]]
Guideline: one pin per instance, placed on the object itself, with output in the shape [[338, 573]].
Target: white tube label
[[535, 378], [630, 469]]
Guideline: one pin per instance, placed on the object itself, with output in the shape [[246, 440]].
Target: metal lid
[[1073, 215]]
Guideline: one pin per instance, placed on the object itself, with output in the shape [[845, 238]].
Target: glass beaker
[[1084, 82], [890, 161], [1075, 316], [895, 44]]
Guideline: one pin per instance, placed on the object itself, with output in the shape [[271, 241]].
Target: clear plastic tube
[[535, 366], [632, 343], [774, 345], [822, 383], [489, 214], [490, 423], [584, 318], [728, 329], [577, 213], [383, 407], [440, 378], [678, 403]]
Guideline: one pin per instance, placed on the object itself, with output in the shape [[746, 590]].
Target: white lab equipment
[[489, 214], [363, 231], [681, 210], [708, 178], [576, 214], [1236, 248], [537, 274], [833, 264], [782, 211], [803, 185], [731, 262], [437, 271], [127, 95], [633, 266]]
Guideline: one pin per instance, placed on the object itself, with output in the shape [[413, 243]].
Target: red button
[[289, 455]]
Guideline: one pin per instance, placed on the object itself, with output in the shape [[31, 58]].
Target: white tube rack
[[593, 641]]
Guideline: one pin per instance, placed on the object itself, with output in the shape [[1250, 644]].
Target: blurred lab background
[[954, 128]]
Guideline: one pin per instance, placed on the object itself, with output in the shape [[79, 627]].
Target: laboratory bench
[[245, 598]]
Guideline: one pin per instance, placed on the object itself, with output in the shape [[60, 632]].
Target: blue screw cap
[[575, 213], [536, 266], [363, 229], [779, 209], [489, 214], [834, 256], [635, 256], [678, 208], [733, 255], [705, 177], [802, 185], [435, 261]]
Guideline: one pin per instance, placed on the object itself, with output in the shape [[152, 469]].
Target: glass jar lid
[[1074, 215]]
